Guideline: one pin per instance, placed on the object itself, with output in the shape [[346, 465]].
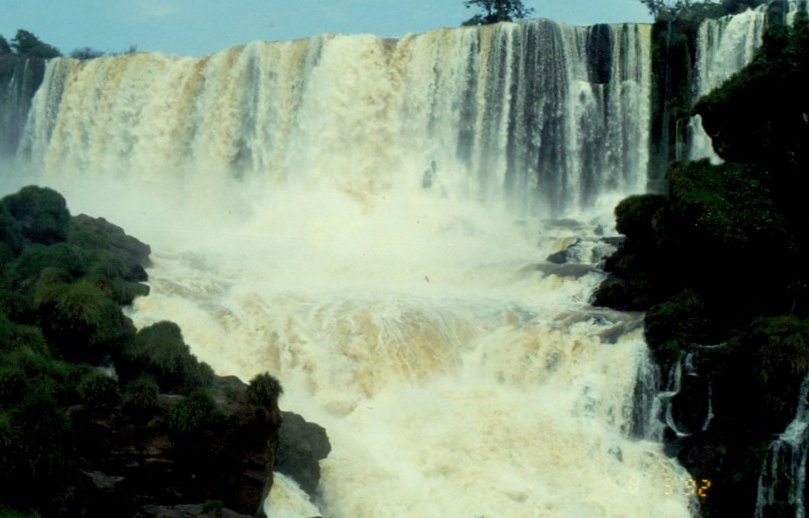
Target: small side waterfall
[[782, 483], [19, 78], [687, 401], [673, 388], [724, 47]]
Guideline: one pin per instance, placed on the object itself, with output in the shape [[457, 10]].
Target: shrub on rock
[[264, 391], [98, 391], [41, 212], [159, 350], [635, 216], [140, 399], [83, 323], [193, 414]]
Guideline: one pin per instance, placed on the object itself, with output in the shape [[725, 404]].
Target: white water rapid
[[368, 220]]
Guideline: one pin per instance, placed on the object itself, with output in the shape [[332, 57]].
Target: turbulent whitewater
[[369, 220]]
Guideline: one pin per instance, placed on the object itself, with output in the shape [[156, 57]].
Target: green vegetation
[[159, 351], [98, 391], [25, 43], [86, 53], [50, 314], [681, 9], [71, 363], [264, 391], [140, 400], [7, 512], [495, 11], [721, 267], [41, 215], [193, 414]]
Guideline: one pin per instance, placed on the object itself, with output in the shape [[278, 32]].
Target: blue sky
[[197, 27]]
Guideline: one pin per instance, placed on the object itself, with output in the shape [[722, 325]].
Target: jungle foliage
[[71, 362], [719, 264], [26, 44]]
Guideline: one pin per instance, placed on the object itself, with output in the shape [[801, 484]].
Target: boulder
[[134, 469], [301, 446]]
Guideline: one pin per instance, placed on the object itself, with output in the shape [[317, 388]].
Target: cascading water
[[724, 46], [782, 482], [367, 220], [19, 78], [533, 115]]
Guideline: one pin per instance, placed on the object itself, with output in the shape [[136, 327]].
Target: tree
[[497, 11], [25, 43], [41, 212], [655, 6], [5, 48]]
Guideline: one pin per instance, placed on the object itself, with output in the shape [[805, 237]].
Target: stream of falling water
[[363, 219]]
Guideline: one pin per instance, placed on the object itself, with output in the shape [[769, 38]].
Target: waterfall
[[19, 78], [724, 46], [541, 116], [682, 411], [369, 220], [782, 482]]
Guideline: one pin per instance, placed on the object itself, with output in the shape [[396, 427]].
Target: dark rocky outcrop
[[95, 233], [301, 446], [131, 466], [719, 265]]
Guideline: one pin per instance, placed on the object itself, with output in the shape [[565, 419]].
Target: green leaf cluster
[[264, 391], [193, 414], [68, 354], [160, 352], [494, 11], [25, 43]]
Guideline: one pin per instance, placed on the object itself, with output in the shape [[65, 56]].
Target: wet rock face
[[301, 447], [149, 470], [207, 510]]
